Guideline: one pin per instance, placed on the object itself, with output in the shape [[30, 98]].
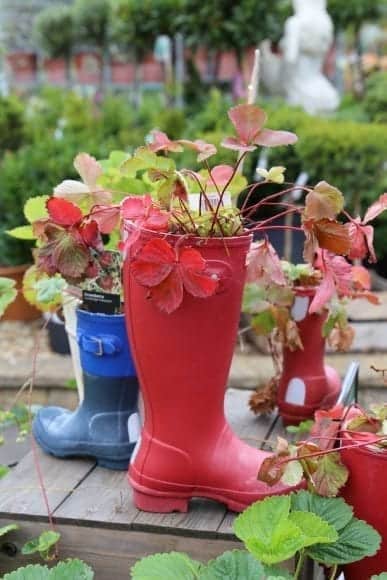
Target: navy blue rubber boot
[[106, 424]]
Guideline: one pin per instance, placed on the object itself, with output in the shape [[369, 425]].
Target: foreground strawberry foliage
[[274, 530]]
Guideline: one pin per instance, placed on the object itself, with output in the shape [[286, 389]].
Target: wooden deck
[[94, 512]]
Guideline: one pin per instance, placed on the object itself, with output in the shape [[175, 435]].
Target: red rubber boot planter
[[187, 449], [366, 492], [306, 384]]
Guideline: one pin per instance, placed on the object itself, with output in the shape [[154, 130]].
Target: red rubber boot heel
[[159, 504]]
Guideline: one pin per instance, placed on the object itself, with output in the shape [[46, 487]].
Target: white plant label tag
[[213, 199]]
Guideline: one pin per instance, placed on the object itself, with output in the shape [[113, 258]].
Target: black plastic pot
[[57, 335]]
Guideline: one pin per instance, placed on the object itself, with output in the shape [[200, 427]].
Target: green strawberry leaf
[[169, 566], [232, 565], [292, 474], [356, 541], [267, 532], [42, 544], [330, 476], [74, 569], [264, 322], [5, 529], [22, 233], [314, 528], [31, 572], [70, 569], [35, 208], [382, 576], [4, 469], [274, 573], [334, 511], [8, 293]]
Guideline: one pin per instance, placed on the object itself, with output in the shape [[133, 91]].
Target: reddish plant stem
[[33, 444], [220, 201], [254, 208], [335, 450]]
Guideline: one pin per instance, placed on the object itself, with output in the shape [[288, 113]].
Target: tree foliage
[[54, 31]]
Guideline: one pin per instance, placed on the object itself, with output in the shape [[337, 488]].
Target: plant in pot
[[70, 244], [344, 453], [291, 306], [185, 264], [185, 248]]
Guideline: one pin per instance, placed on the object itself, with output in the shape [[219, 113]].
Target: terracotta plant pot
[[306, 384], [20, 309], [183, 359], [366, 492]]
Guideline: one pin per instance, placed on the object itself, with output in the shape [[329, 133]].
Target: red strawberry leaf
[[71, 257], [248, 121], [204, 150], [63, 212], [107, 217], [153, 263], [195, 280], [332, 236], [160, 141], [376, 208], [235, 145], [270, 138], [90, 234], [168, 295]]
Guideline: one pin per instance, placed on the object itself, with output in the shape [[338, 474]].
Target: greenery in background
[[375, 99], [91, 20], [137, 23], [12, 124], [54, 33]]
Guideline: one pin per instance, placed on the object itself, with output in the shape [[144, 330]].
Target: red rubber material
[[183, 359], [366, 492], [322, 383]]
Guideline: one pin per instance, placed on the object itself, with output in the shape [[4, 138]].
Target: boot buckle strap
[[99, 345]]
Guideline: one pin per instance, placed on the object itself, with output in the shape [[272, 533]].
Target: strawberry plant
[[300, 525]]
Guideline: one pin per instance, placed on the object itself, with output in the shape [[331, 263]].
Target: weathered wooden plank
[[20, 491], [103, 497], [109, 552], [248, 427], [12, 451], [369, 337]]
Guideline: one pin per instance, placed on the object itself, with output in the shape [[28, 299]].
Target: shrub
[[12, 124], [375, 100]]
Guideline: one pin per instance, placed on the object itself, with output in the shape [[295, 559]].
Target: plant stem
[[300, 563], [333, 573]]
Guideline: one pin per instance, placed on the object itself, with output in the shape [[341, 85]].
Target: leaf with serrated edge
[[293, 473], [267, 532], [333, 510], [356, 541], [22, 233], [330, 476], [382, 576], [231, 565], [8, 293], [35, 208], [5, 529], [169, 566], [31, 572], [72, 569], [315, 529]]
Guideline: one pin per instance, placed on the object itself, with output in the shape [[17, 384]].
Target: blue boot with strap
[[106, 424]]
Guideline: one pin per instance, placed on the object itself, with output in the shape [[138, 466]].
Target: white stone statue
[[307, 38]]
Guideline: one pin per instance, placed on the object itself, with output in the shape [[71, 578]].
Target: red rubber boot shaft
[[366, 492], [306, 384], [183, 360]]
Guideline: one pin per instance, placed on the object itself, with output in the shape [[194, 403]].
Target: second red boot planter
[[306, 384], [187, 449]]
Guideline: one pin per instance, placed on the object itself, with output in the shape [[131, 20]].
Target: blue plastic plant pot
[[104, 346]]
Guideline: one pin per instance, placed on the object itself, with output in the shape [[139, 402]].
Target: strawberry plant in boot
[[185, 246], [297, 309]]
